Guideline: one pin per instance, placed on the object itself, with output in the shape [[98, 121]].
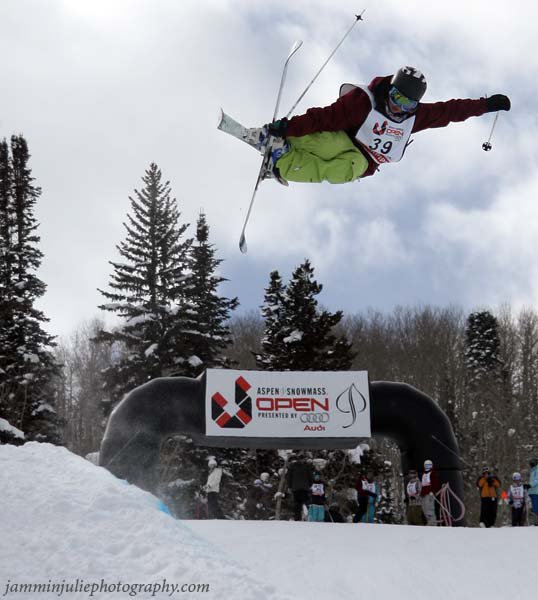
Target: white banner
[[291, 404]]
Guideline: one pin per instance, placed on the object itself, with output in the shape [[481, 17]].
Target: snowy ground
[[65, 521]]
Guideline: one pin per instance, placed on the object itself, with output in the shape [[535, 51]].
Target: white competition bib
[[518, 492], [426, 479], [384, 140], [412, 489]]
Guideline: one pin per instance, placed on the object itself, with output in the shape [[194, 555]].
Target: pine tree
[[207, 336], [484, 398], [482, 353], [300, 337], [207, 313], [148, 290], [27, 363], [272, 312]]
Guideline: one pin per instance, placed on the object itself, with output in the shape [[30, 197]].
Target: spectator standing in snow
[[414, 499], [364, 493], [299, 479], [253, 504], [200, 506], [316, 510], [488, 485], [533, 489], [212, 487], [259, 498], [430, 486], [517, 499]]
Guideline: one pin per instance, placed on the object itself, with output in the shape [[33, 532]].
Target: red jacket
[[361, 491], [434, 485], [349, 112]]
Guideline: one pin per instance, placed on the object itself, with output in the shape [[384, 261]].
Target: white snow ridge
[[62, 519], [66, 522]]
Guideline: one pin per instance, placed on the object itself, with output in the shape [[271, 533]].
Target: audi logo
[[314, 418]]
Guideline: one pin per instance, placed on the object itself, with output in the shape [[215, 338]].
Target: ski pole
[[267, 154], [357, 18], [487, 145]]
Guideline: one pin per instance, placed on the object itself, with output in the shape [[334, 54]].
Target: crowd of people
[[520, 497], [308, 492]]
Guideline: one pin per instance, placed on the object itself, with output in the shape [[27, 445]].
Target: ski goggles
[[403, 102]]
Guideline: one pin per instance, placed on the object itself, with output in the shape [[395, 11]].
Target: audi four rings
[[314, 418]]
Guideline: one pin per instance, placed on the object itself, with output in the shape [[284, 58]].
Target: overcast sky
[[102, 88]]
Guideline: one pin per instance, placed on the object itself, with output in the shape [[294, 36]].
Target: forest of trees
[[171, 320]]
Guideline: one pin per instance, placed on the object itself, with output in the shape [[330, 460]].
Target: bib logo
[[380, 130], [243, 413]]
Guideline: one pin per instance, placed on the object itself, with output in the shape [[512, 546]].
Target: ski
[[268, 148], [235, 129]]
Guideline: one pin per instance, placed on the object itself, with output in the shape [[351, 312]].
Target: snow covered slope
[[62, 518]]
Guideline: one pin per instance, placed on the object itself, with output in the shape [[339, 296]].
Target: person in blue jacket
[[533, 489]]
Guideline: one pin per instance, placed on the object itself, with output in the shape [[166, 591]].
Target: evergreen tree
[[482, 345], [148, 289], [272, 312], [484, 396], [298, 336], [207, 313], [207, 336], [27, 363]]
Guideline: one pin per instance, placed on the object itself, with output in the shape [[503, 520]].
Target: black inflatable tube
[[176, 405]]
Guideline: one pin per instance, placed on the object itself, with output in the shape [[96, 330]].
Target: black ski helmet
[[410, 82]]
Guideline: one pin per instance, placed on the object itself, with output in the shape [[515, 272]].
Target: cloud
[[496, 245], [101, 89]]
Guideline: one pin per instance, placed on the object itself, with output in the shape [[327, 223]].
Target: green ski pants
[[326, 156]]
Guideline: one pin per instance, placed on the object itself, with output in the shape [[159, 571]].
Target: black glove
[[490, 481], [278, 128], [510, 502], [498, 102]]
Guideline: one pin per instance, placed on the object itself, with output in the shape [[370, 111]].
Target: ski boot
[[256, 137], [279, 147]]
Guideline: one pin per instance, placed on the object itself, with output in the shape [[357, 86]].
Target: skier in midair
[[366, 127]]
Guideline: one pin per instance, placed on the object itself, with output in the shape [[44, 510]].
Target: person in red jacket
[[430, 486], [368, 126], [364, 493]]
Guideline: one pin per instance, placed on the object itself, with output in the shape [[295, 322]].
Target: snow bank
[[64, 519]]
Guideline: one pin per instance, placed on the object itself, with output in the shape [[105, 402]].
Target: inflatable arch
[[176, 405]]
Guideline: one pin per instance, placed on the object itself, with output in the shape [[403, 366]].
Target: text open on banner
[[287, 404]]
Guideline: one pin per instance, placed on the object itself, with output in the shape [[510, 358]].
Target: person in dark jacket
[[364, 493], [488, 485], [259, 498], [366, 127], [299, 479]]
